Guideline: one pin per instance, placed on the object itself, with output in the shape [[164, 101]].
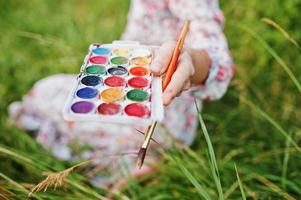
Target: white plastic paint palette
[[115, 85]]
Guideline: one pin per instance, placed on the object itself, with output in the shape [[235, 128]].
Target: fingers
[[186, 86], [162, 58], [180, 80]]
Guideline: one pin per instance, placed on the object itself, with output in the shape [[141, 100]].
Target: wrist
[[201, 63]]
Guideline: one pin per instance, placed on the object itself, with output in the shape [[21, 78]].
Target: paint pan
[[91, 80], [119, 60], [101, 60], [82, 107], [138, 82], [115, 81], [112, 95], [101, 51], [96, 70], [109, 109], [118, 71], [121, 52], [142, 61], [137, 110], [87, 93], [139, 71], [137, 95]]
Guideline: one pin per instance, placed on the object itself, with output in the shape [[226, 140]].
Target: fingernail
[[166, 102], [166, 97]]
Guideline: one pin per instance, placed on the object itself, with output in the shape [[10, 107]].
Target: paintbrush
[[171, 68]]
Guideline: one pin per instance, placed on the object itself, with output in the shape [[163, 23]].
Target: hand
[[180, 80]]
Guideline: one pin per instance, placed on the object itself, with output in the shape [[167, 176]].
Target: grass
[[255, 126], [240, 185]]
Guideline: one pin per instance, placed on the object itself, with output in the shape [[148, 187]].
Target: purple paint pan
[[82, 107]]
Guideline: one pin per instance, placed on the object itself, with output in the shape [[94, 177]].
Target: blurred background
[[257, 125]]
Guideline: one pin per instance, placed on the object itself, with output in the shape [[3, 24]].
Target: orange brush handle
[[170, 69], [172, 66]]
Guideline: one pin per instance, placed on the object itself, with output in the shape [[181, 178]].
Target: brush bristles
[[140, 157]]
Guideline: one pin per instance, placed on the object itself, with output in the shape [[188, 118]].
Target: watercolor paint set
[[115, 85]]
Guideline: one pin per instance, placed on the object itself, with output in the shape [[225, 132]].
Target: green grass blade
[[271, 121], [275, 55], [16, 155], [85, 189], [273, 187], [212, 158], [240, 184], [17, 185], [200, 189], [281, 30], [291, 184], [285, 163]]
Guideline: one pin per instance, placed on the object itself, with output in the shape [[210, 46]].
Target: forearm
[[201, 62]]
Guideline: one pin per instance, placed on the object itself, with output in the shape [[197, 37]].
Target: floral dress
[[149, 22]]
